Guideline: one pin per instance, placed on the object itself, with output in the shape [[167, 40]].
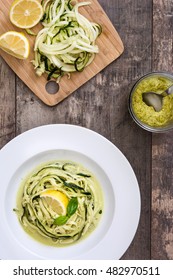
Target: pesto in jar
[[146, 113]]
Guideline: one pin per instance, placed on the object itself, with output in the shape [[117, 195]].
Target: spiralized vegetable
[[67, 41], [75, 182]]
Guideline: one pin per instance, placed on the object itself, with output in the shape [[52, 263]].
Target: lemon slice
[[56, 200], [15, 43], [25, 13]]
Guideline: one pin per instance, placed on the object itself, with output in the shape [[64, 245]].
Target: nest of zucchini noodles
[[79, 186], [67, 42]]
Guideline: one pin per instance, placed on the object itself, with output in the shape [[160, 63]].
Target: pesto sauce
[[146, 113]]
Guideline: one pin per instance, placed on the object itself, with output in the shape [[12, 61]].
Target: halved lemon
[[26, 13], [56, 200], [15, 43]]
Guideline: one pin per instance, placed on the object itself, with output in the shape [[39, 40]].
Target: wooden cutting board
[[110, 48]]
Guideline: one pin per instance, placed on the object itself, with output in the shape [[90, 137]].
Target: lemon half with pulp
[[26, 13], [15, 43], [56, 200]]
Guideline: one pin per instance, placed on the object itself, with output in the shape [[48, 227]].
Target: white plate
[[121, 193]]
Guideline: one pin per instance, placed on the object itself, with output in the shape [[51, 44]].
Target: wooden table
[[145, 27]]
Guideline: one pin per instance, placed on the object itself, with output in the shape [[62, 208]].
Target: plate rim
[[112, 146]]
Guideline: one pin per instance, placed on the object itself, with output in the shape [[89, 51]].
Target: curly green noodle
[[67, 41], [72, 179]]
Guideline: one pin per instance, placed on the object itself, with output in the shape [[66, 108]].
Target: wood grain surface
[[25, 70], [162, 148], [145, 27]]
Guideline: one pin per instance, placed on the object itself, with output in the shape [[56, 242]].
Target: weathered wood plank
[[134, 23], [7, 103], [162, 171]]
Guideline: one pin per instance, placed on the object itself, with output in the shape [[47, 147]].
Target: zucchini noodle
[[67, 41], [75, 182]]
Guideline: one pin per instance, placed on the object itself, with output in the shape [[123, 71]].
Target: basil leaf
[[71, 209], [61, 220], [72, 206]]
